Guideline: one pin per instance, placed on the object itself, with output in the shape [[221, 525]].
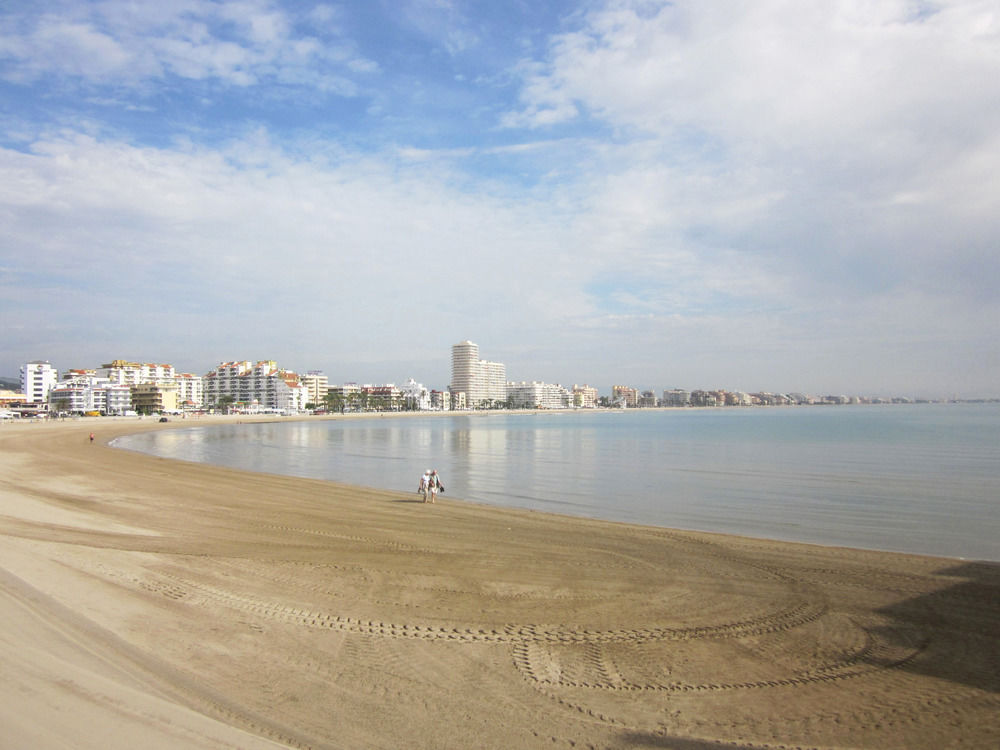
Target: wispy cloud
[[139, 45]]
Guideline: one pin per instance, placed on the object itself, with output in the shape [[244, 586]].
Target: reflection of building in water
[[478, 449], [479, 380], [522, 460]]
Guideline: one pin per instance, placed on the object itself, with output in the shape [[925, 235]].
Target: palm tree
[[334, 402]]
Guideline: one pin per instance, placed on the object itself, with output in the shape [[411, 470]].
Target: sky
[[779, 195]]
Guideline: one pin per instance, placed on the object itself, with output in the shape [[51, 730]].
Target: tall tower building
[[466, 374], [477, 379]]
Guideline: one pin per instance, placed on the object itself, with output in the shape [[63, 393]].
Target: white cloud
[[264, 243], [770, 122]]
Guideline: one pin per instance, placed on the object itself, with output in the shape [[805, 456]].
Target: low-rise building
[[154, 398], [647, 400], [441, 400], [622, 395], [415, 396], [537, 395], [584, 396], [83, 391], [383, 397], [676, 397], [738, 398]]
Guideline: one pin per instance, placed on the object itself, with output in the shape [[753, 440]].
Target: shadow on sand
[[648, 739], [956, 629]]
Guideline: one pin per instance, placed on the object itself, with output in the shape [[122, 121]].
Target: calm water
[[916, 478]]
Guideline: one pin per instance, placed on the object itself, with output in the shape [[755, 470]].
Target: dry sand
[[147, 603]]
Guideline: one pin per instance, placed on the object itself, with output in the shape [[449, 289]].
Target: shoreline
[[774, 528], [220, 608]]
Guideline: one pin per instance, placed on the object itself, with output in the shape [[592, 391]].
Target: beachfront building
[[317, 385], [190, 392], [676, 397], [440, 400], [585, 397], [37, 379], [254, 388], [537, 395], [738, 398], [622, 395], [382, 397], [341, 398], [117, 400], [708, 398], [484, 383], [84, 391], [123, 372], [415, 396], [154, 398], [647, 400]]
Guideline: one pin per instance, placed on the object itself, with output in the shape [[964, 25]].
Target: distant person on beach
[[91, 437], [435, 485], [424, 487]]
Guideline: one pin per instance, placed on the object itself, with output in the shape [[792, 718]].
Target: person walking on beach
[[424, 488], [435, 485], [91, 437]]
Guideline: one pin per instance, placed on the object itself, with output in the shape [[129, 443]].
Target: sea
[[921, 478]]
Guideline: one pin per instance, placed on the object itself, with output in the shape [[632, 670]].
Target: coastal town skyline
[[475, 383], [768, 197]]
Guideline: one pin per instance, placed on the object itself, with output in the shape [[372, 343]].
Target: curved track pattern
[[177, 588]]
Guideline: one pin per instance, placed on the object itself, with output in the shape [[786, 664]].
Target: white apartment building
[[538, 395], [85, 391], [37, 379], [122, 372], [415, 395], [495, 379], [479, 380], [75, 396], [255, 387], [190, 393], [676, 397]]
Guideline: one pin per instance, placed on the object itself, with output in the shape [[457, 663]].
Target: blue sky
[[757, 196]]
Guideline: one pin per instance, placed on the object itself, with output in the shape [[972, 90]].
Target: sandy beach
[[158, 604]]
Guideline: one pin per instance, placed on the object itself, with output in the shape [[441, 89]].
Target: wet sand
[[158, 604]]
